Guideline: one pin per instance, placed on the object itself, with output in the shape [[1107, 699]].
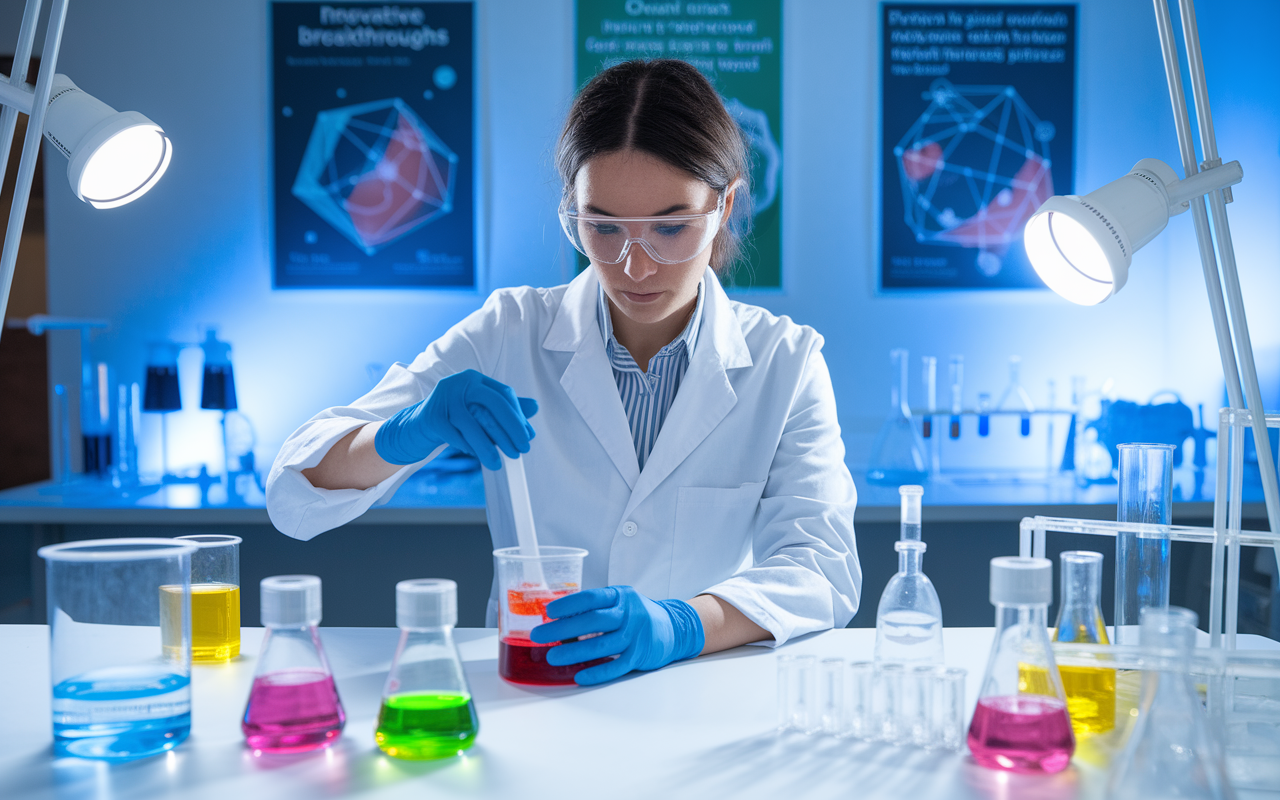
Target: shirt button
[[630, 529]]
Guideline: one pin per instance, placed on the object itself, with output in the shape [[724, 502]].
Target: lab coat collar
[[704, 399]]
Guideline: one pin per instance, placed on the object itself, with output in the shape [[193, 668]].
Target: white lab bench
[[697, 729]]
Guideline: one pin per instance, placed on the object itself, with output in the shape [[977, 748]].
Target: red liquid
[[293, 711], [522, 661], [1025, 733]]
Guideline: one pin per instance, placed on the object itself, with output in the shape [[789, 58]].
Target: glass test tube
[[930, 364], [984, 418], [831, 679], [861, 685], [797, 693], [957, 394], [917, 706], [949, 709], [888, 702], [1142, 561]]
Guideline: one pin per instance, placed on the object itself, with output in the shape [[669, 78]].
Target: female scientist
[[688, 442]]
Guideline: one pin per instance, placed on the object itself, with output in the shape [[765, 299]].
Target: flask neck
[[910, 562], [292, 649], [1032, 616]]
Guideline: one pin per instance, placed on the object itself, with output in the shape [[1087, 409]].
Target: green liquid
[[424, 725]]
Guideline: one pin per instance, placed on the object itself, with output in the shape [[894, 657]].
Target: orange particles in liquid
[[533, 602]]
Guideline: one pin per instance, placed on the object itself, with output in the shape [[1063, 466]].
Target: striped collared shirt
[[647, 397]]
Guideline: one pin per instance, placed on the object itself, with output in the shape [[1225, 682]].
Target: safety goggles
[[671, 239]]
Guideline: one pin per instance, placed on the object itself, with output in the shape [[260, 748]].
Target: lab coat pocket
[[712, 535]]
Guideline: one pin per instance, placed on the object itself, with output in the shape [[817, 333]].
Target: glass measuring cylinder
[[1021, 723], [427, 711], [525, 585], [215, 598], [293, 704], [117, 693], [1091, 691], [1142, 561]]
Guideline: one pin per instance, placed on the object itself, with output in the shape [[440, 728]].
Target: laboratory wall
[[194, 251]]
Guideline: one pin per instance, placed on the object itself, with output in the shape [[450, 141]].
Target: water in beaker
[[898, 454]]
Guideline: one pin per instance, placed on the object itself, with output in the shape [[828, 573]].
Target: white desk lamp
[[1082, 246], [113, 157]]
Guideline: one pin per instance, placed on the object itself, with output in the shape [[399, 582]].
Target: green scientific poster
[[738, 45]]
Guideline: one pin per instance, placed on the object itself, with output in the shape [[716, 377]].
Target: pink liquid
[[1026, 733], [292, 711]]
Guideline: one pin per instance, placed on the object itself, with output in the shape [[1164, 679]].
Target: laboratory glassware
[[427, 711], [96, 405], [930, 369], [917, 705], [831, 701], [798, 693], [909, 619], [860, 705], [1142, 560], [957, 394], [909, 516], [161, 392], [293, 704], [117, 694], [949, 708], [886, 702], [898, 454], [1170, 752], [215, 597], [984, 414], [61, 435], [525, 585], [1016, 391], [124, 470], [1091, 691], [1020, 723], [218, 388]]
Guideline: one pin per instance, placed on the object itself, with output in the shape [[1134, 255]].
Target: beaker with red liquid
[[1021, 722], [293, 705], [525, 585]]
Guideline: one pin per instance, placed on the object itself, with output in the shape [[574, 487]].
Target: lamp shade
[[113, 157], [1081, 247]]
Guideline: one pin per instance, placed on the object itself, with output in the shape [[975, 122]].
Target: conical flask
[[293, 705], [1170, 752], [1091, 691], [1020, 723], [898, 454], [909, 619], [427, 711]]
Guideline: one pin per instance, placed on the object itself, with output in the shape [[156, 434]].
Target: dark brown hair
[[665, 108]]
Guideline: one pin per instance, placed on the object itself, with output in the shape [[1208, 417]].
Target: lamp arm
[[1202, 183], [19, 96]]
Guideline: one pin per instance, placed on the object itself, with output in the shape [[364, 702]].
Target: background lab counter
[[435, 527]]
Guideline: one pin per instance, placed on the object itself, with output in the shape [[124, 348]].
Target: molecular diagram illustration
[[376, 172], [766, 155], [974, 168]]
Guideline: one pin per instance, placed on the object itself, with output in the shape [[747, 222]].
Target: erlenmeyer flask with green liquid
[[427, 710]]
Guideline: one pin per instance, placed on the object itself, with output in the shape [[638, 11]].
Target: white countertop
[[702, 728]]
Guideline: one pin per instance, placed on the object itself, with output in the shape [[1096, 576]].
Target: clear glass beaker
[[909, 619], [525, 585], [117, 693], [1020, 723], [898, 454], [215, 597], [1091, 691], [427, 711], [293, 705], [1142, 560], [1170, 752]]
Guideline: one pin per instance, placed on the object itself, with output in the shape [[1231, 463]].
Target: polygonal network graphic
[[376, 172], [974, 167], [766, 156]]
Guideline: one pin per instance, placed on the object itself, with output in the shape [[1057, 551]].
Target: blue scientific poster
[[978, 129], [373, 131]]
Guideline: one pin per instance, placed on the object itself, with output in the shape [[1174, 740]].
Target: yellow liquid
[[1091, 695], [215, 621]]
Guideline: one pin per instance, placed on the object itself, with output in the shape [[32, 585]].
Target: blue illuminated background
[[194, 251]]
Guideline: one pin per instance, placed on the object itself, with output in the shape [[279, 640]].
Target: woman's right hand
[[469, 411]]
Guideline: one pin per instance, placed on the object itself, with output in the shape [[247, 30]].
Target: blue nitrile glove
[[644, 634], [470, 411]]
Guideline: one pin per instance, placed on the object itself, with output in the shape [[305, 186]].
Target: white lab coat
[[745, 496]]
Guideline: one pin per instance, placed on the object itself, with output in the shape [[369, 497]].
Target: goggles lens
[[669, 240]]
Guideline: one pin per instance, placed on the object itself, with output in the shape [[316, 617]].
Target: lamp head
[[113, 157], [1081, 247]]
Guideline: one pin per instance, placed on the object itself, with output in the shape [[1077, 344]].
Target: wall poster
[[373, 145], [978, 127], [738, 45]]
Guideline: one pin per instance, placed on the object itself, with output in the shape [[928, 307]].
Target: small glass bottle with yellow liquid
[[427, 711], [1091, 691], [215, 597]]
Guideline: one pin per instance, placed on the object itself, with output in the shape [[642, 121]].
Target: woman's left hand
[[644, 634]]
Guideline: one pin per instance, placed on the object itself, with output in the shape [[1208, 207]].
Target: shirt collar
[[688, 337]]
